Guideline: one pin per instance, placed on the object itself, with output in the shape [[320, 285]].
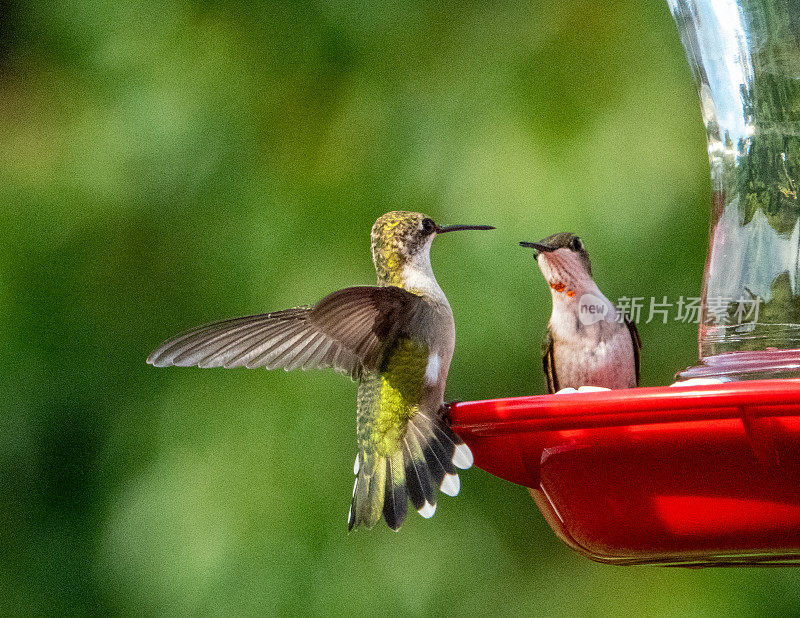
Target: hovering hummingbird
[[588, 343], [396, 339]]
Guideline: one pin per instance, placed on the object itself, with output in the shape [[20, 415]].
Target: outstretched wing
[[549, 363], [348, 330], [637, 344]]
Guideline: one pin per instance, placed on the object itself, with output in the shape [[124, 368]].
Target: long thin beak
[[457, 228], [537, 247]]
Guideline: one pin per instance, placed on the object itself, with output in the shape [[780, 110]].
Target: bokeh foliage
[[165, 164]]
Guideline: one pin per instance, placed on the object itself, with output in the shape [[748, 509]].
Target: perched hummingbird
[[587, 343], [396, 339]]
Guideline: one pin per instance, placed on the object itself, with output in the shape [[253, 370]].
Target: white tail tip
[[592, 389], [356, 465], [427, 510], [462, 458], [451, 484]]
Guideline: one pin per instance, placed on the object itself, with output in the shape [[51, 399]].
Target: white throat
[[418, 275]]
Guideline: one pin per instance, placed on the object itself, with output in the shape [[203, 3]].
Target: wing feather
[[230, 351], [306, 351], [637, 344], [318, 357], [349, 330], [257, 346], [212, 335], [549, 363]]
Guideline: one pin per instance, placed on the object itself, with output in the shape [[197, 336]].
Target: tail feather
[[441, 450], [368, 492], [418, 479], [426, 459], [435, 467], [461, 455], [451, 485], [377, 490], [395, 502], [420, 464], [440, 465]]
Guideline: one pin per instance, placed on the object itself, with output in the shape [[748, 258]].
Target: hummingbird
[[396, 339], [588, 341]]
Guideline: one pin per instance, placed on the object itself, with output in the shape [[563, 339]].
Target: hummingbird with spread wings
[[588, 342], [396, 339]]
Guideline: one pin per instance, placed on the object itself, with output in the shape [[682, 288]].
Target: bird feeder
[[695, 475]]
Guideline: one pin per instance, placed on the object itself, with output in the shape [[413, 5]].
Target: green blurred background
[[164, 164]]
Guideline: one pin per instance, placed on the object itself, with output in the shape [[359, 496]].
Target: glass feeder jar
[[745, 57]]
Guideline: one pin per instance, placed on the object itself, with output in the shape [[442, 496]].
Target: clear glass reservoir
[[745, 56]]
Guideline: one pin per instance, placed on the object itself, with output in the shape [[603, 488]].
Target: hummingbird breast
[[586, 360]]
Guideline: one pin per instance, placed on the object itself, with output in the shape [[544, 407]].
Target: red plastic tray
[[692, 476]]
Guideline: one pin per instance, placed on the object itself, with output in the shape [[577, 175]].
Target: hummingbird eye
[[428, 226], [577, 244]]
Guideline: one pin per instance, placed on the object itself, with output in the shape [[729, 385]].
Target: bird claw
[[444, 411]]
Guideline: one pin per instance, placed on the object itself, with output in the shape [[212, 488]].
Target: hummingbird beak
[[457, 228], [537, 247]]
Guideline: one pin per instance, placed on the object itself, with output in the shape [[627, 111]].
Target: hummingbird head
[[401, 244], [563, 261]]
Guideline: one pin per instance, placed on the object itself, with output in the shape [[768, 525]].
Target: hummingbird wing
[[549, 363], [368, 320], [637, 344], [348, 330]]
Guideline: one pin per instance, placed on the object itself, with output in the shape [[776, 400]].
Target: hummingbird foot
[[444, 411]]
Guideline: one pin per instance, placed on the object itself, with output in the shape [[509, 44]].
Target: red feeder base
[[691, 476]]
